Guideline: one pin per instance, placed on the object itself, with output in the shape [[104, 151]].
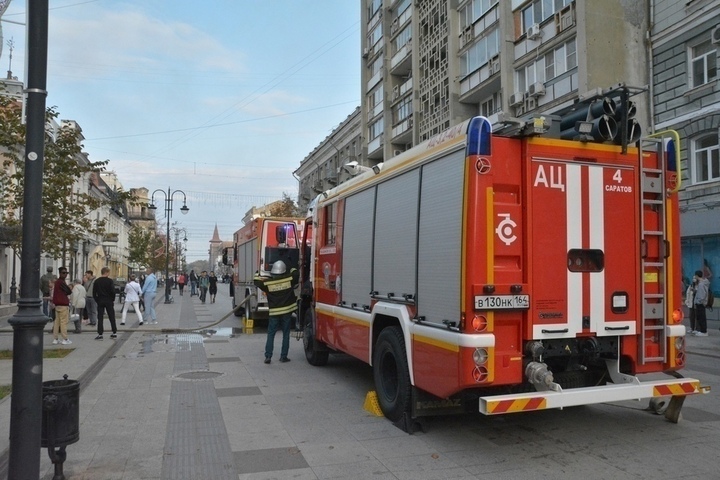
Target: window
[[376, 128], [540, 10], [375, 35], [374, 7], [479, 53], [706, 159], [403, 38], [550, 65], [491, 105], [704, 63], [402, 110], [376, 96], [330, 224], [376, 66], [526, 77], [560, 60], [473, 10], [402, 6]]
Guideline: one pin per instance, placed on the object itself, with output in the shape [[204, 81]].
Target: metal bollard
[[60, 420]]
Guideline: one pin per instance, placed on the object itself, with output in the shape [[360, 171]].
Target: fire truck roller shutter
[[357, 248], [395, 248], [439, 233], [246, 262]]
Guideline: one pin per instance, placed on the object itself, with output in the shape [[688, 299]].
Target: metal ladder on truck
[[654, 263]]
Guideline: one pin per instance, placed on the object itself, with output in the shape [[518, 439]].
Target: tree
[[285, 207], [65, 207]]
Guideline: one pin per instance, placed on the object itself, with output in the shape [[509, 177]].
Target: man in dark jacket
[[104, 295], [282, 302], [45, 282], [60, 297]]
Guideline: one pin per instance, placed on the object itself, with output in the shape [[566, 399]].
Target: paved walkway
[[161, 404]]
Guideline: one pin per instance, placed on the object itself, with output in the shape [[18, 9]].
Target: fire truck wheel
[[315, 356], [390, 370]]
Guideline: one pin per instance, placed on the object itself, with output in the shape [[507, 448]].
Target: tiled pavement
[[189, 405]]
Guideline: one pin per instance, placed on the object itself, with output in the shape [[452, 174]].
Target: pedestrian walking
[[61, 292], [45, 282], [149, 289], [132, 297], [182, 279], [700, 301], [203, 284], [690, 303], [212, 286], [77, 302], [104, 295], [193, 283], [282, 302], [90, 303]]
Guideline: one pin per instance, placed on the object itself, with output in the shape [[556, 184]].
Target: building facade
[[686, 98], [323, 168], [432, 64]]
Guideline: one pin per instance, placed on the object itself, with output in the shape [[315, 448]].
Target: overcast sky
[[220, 99]]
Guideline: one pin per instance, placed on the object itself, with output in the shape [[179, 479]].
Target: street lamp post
[[168, 213], [28, 322]]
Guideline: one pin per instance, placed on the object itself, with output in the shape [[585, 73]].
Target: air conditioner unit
[[366, 52], [494, 64], [565, 18], [516, 99], [533, 32], [466, 37], [537, 89], [397, 152], [394, 26], [396, 91], [520, 111], [715, 35], [530, 104]]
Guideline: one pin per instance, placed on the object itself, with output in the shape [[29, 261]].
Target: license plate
[[501, 302]]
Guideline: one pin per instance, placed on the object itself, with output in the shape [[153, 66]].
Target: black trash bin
[[61, 413], [60, 419]]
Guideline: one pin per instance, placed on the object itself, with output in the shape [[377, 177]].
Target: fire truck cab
[[256, 246], [504, 272]]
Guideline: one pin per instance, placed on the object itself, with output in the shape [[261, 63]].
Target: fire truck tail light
[[480, 374], [678, 316], [480, 356], [479, 323], [680, 343]]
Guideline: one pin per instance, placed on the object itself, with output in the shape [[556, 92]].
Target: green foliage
[[140, 242], [143, 248], [65, 212], [286, 208]]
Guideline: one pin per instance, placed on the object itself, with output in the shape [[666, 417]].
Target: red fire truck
[[256, 246], [504, 272]]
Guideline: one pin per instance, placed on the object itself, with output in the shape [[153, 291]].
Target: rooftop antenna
[[11, 45]]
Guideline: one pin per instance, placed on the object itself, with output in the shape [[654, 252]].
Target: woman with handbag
[[77, 302], [132, 297]]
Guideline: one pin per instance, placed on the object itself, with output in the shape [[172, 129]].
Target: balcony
[[401, 62]]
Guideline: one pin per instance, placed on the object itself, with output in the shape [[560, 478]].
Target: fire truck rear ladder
[[654, 270]]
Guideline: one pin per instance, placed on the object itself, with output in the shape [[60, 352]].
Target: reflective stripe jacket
[[280, 291]]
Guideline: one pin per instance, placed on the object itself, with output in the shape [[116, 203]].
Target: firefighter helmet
[[278, 268]]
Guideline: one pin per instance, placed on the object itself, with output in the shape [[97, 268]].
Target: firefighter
[[280, 290]]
